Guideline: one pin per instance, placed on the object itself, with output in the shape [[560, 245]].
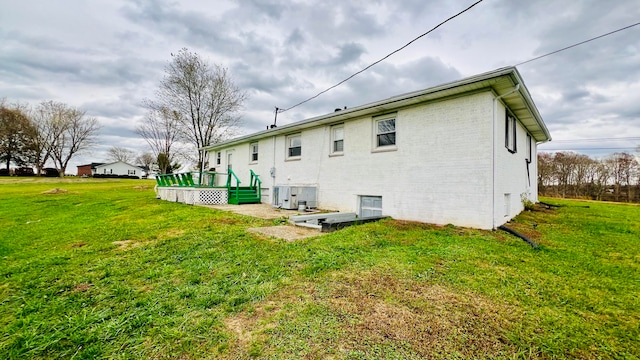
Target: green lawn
[[104, 270]]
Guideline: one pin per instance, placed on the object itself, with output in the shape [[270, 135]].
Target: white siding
[[511, 171], [440, 173]]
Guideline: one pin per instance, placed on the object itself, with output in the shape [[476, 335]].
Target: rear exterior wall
[[440, 170]]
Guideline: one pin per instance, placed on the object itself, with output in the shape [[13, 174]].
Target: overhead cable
[[278, 110], [577, 44]]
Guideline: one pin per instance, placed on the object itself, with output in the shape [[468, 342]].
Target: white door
[[230, 159]]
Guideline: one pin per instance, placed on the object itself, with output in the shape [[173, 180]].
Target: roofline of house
[[397, 102], [115, 162]]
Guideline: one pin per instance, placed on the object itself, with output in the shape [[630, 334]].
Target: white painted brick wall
[[440, 173]]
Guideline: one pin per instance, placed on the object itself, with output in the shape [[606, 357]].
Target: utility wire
[[384, 58], [629, 138], [578, 44]]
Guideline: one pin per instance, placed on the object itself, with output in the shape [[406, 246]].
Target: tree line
[[196, 105], [568, 174], [33, 135]]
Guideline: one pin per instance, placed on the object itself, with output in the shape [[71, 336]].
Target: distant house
[[462, 153], [88, 169], [118, 168]]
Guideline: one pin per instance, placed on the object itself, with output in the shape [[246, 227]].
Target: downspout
[[493, 165], [272, 173]]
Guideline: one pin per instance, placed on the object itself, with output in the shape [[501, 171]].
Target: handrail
[[255, 182], [186, 179], [231, 173]]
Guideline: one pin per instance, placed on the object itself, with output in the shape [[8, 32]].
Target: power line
[[629, 138], [585, 149], [382, 59], [578, 44]]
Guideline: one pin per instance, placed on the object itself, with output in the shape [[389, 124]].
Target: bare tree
[[160, 129], [145, 159], [201, 98], [68, 132], [116, 153]]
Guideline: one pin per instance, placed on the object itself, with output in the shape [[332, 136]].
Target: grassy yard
[[104, 270]]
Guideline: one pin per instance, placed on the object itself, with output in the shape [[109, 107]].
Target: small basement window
[[254, 152], [370, 206], [294, 146]]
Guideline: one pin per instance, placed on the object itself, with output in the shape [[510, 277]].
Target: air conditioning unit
[[287, 197]]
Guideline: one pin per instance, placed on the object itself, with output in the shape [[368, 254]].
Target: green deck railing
[[187, 179], [255, 183], [230, 177]]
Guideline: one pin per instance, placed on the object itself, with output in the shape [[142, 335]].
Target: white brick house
[[462, 153]]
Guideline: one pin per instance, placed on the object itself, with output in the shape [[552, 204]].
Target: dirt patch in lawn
[[55, 191], [286, 232], [377, 311], [81, 287], [429, 318], [141, 187], [126, 244]]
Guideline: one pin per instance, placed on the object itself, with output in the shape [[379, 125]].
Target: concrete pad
[[262, 211]]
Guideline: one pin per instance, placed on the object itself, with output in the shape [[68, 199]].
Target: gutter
[[493, 165]]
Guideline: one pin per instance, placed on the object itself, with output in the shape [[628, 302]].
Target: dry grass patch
[[373, 311], [55, 191], [285, 232], [141, 187], [127, 244], [431, 319], [81, 287]]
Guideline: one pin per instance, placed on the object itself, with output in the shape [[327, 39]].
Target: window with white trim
[[219, 158], [510, 133], [385, 132], [254, 152], [337, 139], [529, 148], [131, 172], [294, 146]]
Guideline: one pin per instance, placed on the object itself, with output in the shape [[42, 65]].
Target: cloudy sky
[[106, 56]]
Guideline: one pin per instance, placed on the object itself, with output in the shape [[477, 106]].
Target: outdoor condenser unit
[[287, 197]]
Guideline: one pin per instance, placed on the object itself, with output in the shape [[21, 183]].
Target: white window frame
[[254, 152], [376, 133], [288, 147], [510, 133], [335, 139], [219, 158]]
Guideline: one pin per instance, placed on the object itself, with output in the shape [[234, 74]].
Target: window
[[294, 146], [218, 158], [510, 133], [385, 132], [337, 139], [254, 152], [370, 206], [529, 148], [507, 204], [131, 172]]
